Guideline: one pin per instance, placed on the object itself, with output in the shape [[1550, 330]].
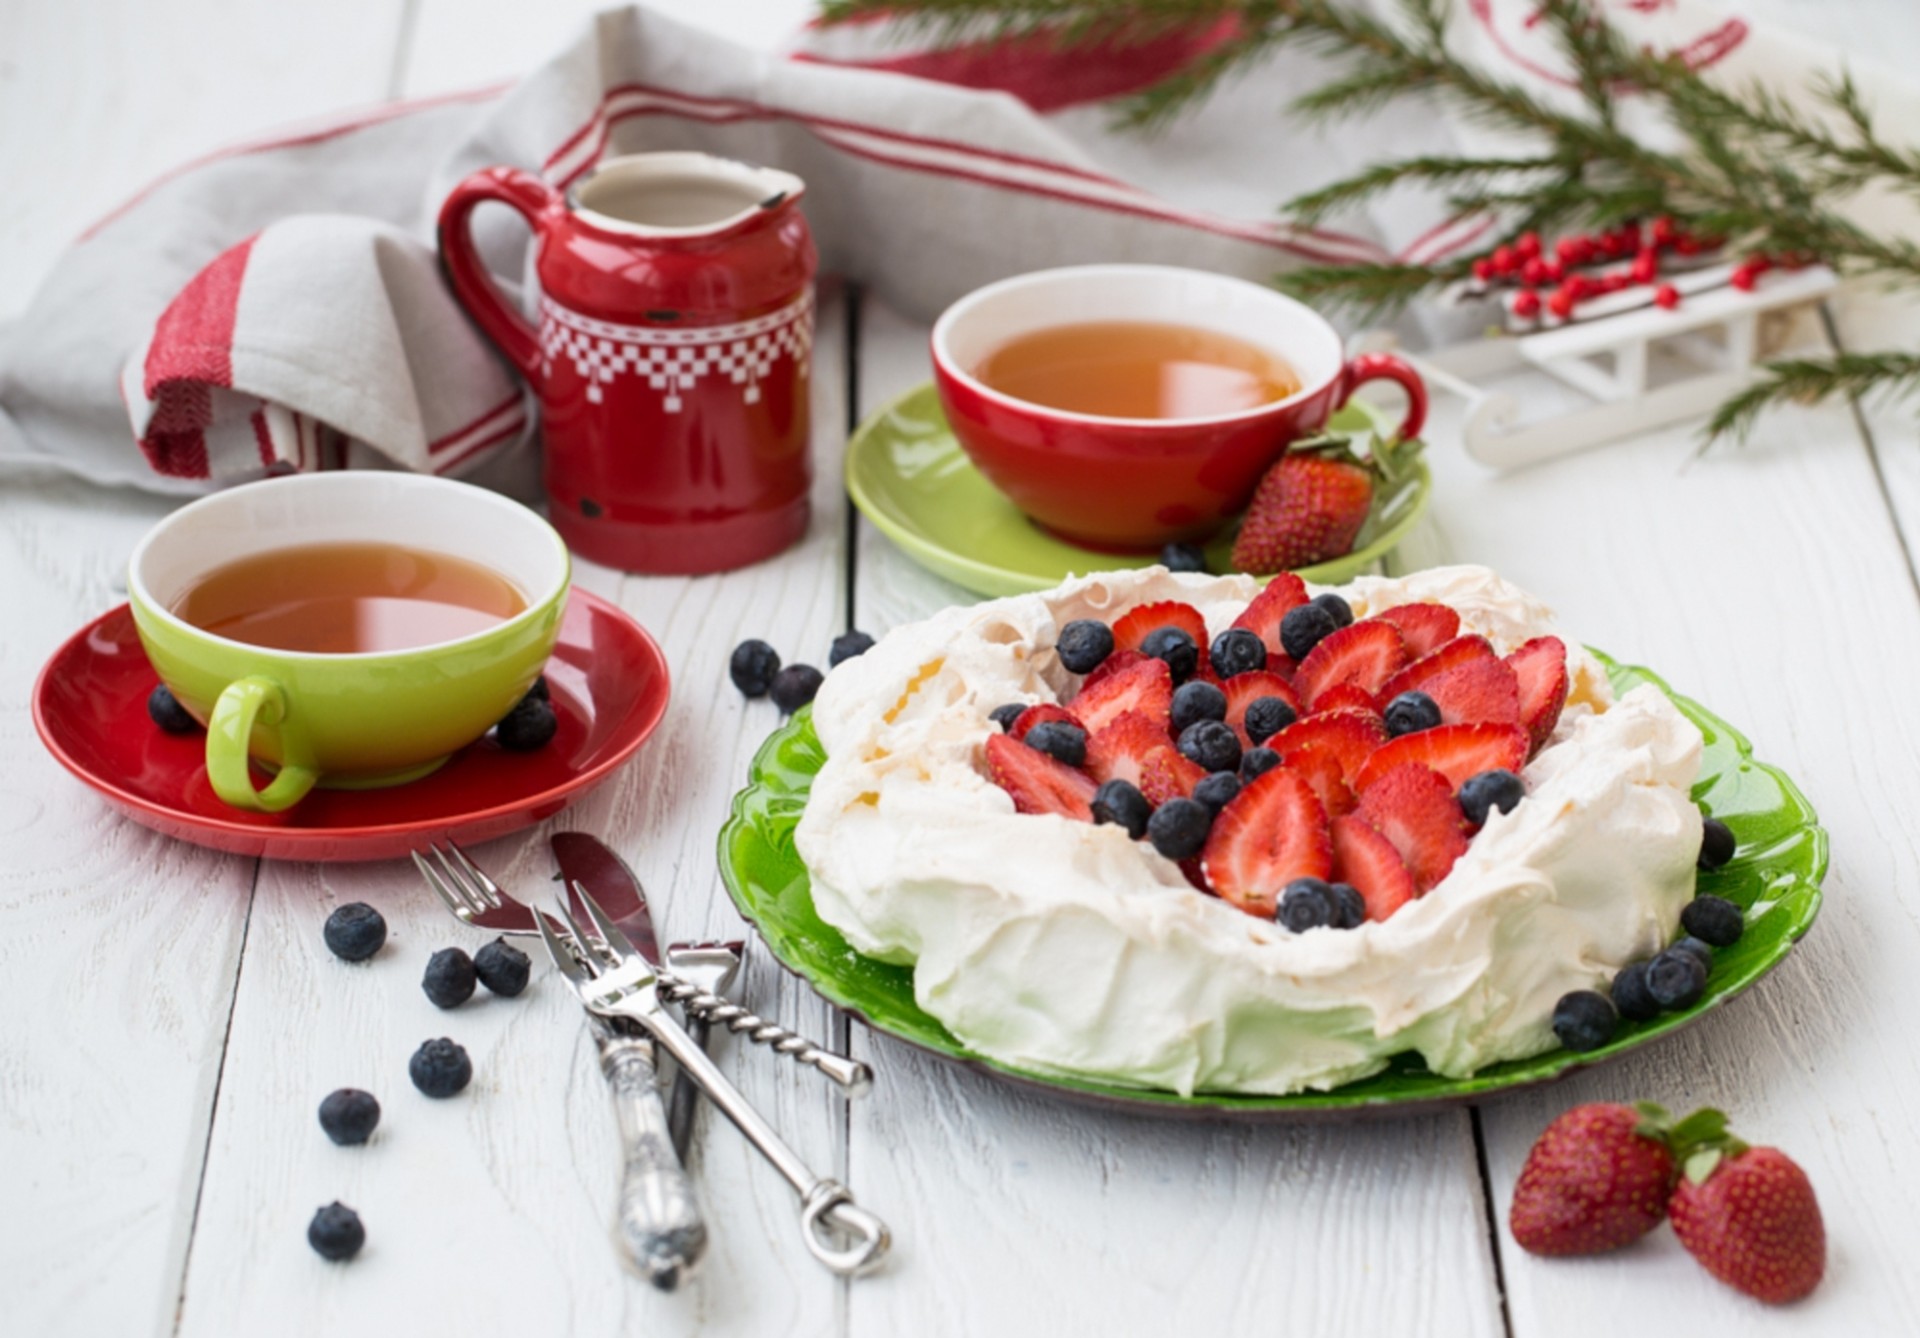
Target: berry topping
[[1309, 506], [1461, 650], [1630, 995], [1458, 752], [848, 646], [1303, 628], [1321, 771], [440, 1068], [1178, 828], [1367, 861], [1211, 745], [752, 667], [1120, 750], [1584, 1020], [1183, 557], [1004, 716], [1484, 692], [1036, 782], [1244, 690], [1750, 1217], [1350, 908], [1596, 1179], [1698, 947], [1194, 702], [1676, 978], [1351, 736], [502, 968], [1167, 776], [1217, 790], [1347, 696], [1237, 651], [1409, 713], [1121, 803], [1060, 740], [1365, 655], [1084, 644], [1337, 608], [1273, 833], [1180, 652], [1424, 627], [1414, 808], [1113, 664], [1306, 903], [449, 978], [528, 726], [336, 1233], [167, 712], [1040, 713], [1264, 718], [354, 932], [1714, 919], [1263, 617], [1540, 667], [1716, 844], [1257, 762], [1145, 687], [1130, 632], [349, 1115], [795, 686], [1481, 794]]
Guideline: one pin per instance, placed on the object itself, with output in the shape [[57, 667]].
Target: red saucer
[[608, 681]]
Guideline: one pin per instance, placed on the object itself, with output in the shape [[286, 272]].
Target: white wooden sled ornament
[[1704, 350]]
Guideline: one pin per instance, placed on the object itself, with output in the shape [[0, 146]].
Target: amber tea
[[1137, 369], [349, 598]]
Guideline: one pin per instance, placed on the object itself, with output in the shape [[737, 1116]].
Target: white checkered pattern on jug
[[674, 358]]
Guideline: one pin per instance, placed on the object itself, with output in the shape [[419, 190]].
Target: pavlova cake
[[1191, 833]]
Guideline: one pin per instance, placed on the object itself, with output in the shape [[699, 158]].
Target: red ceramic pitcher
[[670, 356]]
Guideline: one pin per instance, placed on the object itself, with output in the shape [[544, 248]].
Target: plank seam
[[1492, 1217], [1872, 443], [850, 539]]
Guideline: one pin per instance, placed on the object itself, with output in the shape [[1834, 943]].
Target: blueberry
[[440, 1068], [1212, 744], [1409, 713], [1060, 740], [1714, 919], [349, 1115], [1481, 794], [1584, 1020], [795, 686], [1004, 716], [1197, 701], [449, 979], [502, 968], [1307, 903], [1266, 717], [335, 1232], [1257, 762], [1238, 651], [1183, 557], [1716, 843], [1176, 648], [1304, 628], [1337, 608], [753, 666], [540, 689], [849, 646], [1350, 908], [527, 726], [1178, 828], [1630, 993], [1698, 947], [1217, 790], [168, 713], [1121, 804], [1084, 645], [355, 931], [1676, 978]]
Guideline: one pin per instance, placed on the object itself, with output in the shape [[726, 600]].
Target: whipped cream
[[1063, 947]]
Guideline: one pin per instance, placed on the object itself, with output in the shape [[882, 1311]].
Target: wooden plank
[[1019, 1214], [504, 1194]]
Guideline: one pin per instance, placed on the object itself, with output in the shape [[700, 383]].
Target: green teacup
[[346, 721]]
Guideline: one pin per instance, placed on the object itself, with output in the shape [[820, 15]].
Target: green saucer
[[907, 474], [1775, 876]]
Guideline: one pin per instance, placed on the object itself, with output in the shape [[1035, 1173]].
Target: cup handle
[[533, 199], [245, 702], [1386, 367]]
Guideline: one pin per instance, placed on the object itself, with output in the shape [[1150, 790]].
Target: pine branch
[[1369, 291], [1468, 175], [1806, 381]]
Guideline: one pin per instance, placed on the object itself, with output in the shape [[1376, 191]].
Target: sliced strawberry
[[1167, 775], [1541, 667], [1195, 874], [1269, 834], [1038, 713], [1366, 654], [1346, 697], [1243, 690], [1284, 593], [1413, 807], [1120, 749], [1456, 652], [1424, 627], [1321, 770], [1455, 751], [1133, 628], [1113, 664], [1350, 736], [1367, 861], [1480, 692], [1037, 782], [1145, 687]]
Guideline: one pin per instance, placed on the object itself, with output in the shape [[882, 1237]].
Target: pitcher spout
[[684, 195]]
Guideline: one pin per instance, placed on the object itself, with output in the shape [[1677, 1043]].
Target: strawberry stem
[[1699, 1142]]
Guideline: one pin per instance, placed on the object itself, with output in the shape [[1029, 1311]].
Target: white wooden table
[[169, 1018]]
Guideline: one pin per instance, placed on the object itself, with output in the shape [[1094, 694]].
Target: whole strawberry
[[1749, 1216], [1313, 501], [1596, 1179]]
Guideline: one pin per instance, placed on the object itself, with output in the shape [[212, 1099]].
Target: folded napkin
[[279, 306]]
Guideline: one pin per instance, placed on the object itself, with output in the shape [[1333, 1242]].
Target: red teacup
[[1133, 484]]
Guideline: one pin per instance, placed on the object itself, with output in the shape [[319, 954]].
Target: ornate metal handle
[[657, 1224], [852, 1075]]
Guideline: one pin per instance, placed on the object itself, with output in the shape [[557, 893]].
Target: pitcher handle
[[534, 200]]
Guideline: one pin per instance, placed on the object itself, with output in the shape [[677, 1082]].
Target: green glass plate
[[1775, 875], [907, 474]]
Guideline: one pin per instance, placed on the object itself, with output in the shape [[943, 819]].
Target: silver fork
[[711, 966], [477, 900], [615, 981]]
